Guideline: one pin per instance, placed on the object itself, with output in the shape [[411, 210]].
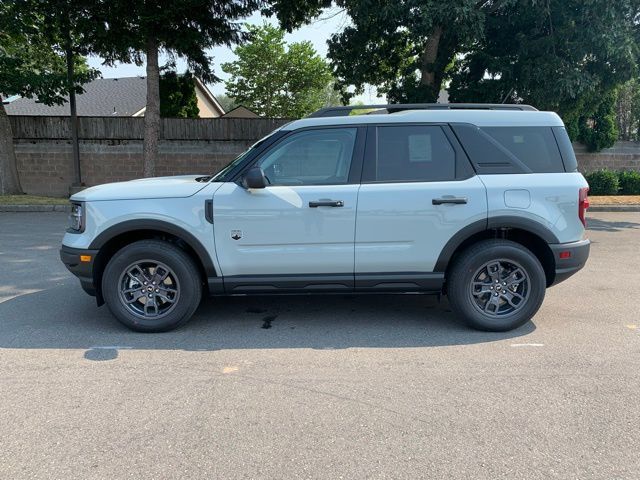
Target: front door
[[299, 231]]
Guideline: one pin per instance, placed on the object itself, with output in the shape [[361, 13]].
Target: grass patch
[[615, 200], [31, 200]]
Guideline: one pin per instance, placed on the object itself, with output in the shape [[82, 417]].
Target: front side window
[[420, 153], [312, 157]]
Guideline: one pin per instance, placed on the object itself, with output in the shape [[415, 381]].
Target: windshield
[[220, 176]]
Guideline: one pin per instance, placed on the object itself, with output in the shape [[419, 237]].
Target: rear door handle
[[451, 200], [326, 203]]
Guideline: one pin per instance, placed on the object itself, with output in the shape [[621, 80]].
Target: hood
[[161, 187]]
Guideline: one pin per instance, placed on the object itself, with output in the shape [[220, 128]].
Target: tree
[[277, 80], [132, 30], [628, 110], [37, 58], [178, 96], [560, 55], [405, 48], [226, 102]]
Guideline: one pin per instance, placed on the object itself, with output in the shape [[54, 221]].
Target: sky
[[318, 32]]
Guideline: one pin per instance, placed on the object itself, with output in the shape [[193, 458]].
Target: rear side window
[[412, 153], [536, 147]]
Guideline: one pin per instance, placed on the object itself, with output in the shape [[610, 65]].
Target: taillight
[[583, 204]]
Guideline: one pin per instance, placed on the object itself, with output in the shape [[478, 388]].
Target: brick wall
[[622, 156], [111, 149], [46, 168]]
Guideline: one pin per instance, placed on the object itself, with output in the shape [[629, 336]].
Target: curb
[[34, 208], [614, 208]]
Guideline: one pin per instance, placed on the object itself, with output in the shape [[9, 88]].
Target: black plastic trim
[[507, 221], [391, 282], [208, 210], [455, 241], [83, 270], [491, 223], [288, 283], [161, 226], [566, 267], [399, 282]]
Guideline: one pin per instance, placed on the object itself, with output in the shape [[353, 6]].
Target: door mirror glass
[[254, 178]]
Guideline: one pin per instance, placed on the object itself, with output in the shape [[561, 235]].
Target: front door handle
[[451, 200], [326, 203]]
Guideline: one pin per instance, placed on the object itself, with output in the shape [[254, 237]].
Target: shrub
[[629, 183], [603, 182]]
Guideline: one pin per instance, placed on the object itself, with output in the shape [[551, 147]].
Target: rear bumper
[[83, 270], [570, 258]]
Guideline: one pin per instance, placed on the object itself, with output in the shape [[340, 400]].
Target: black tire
[[475, 272], [179, 293]]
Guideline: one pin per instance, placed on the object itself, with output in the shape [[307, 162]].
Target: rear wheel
[[496, 285], [151, 286]]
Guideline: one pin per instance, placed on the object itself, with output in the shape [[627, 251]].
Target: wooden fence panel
[[132, 128]]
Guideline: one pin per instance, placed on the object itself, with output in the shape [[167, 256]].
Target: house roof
[[103, 97], [241, 112]]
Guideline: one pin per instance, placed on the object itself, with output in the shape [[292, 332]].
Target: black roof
[[103, 97]]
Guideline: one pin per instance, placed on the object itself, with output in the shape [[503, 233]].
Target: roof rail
[[398, 107]]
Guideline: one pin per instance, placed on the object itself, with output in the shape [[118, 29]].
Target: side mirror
[[254, 178]]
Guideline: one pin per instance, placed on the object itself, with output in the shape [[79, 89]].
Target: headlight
[[76, 218]]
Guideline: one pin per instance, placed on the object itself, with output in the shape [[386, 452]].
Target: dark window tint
[[486, 154], [314, 157], [536, 147], [566, 149], [414, 154]]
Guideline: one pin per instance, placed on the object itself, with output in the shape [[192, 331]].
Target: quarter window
[[315, 157], [536, 147], [414, 154]]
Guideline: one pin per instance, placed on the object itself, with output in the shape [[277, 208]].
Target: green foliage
[[628, 110], [603, 182], [404, 48], [178, 96], [629, 183], [32, 58], [276, 80], [226, 102], [549, 54], [592, 121], [559, 55], [125, 29]]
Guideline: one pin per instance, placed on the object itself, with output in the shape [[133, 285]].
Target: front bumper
[[83, 270], [569, 258]]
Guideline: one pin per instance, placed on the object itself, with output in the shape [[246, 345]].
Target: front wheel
[[151, 286], [496, 285]]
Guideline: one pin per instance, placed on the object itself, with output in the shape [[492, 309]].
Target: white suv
[[480, 202]]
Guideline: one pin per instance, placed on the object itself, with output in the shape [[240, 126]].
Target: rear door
[[418, 190]]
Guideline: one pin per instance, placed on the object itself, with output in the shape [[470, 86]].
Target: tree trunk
[[430, 77], [77, 175], [9, 180], [152, 112]]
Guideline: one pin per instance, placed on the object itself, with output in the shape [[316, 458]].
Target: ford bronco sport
[[483, 203]]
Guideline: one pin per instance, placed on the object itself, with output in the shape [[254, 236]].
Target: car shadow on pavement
[[599, 225], [62, 317]]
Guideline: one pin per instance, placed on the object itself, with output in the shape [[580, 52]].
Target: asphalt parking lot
[[318, 387]]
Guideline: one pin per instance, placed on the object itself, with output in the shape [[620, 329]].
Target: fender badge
[[236, 234]]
